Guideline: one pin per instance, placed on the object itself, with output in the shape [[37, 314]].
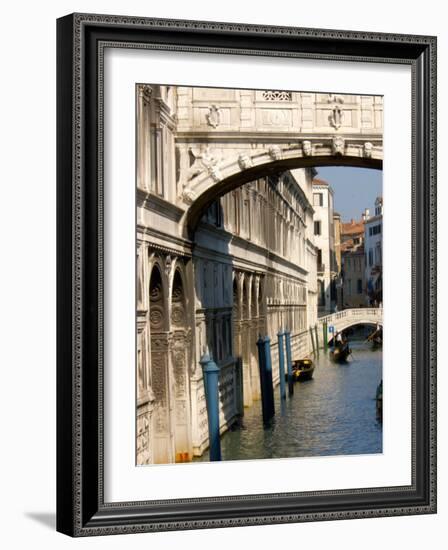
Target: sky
[[354, 189]]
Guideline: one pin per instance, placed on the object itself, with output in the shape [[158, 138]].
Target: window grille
[[276, 95]]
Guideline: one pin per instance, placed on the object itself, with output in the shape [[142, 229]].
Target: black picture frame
[[81, 510]]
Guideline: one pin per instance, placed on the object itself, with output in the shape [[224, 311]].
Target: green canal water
[[332, 414]]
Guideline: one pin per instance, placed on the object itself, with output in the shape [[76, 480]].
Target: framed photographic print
[[246, 275]]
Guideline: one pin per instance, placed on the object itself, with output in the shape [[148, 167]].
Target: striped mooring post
[[281, 363], [267, 389], [211, 388]]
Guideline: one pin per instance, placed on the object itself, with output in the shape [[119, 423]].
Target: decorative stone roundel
[[156, 317], [177, 315]]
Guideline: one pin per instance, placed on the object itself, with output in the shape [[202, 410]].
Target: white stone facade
[[324, 239], [373, 244]]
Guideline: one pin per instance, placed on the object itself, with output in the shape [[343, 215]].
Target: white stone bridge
[[351, 317], [224, 138]]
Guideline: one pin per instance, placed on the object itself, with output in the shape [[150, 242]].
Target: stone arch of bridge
[[201, 194], [351, 324]]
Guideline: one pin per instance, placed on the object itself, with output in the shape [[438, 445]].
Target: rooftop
[[318, 181], [352, 227]]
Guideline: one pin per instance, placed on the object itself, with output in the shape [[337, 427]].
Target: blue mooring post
[[267, 390], [211, 388], [289, 362], [281, 363], [331, 329]]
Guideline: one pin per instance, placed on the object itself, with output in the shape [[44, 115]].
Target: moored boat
[[302, 369]]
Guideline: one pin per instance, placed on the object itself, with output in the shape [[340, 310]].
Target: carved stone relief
[[338, 146], [244, 161], [275, 152], [213, 116], [204, 160], [306, 148], [277, 95], [367, 150], [336, 117], [145, 93]]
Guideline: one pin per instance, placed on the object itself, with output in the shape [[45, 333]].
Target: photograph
[[259, 274]]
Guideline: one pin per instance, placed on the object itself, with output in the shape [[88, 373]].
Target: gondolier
[[341, 349]]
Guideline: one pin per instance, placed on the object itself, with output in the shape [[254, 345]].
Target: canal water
[[334, 413]]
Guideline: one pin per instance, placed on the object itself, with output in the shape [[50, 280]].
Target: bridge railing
[[374, 313]]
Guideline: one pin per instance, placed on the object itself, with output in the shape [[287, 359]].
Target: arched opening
[[160, 379], [210, 189], [361, 329]]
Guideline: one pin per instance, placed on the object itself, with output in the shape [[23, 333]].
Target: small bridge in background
[[349, 318]]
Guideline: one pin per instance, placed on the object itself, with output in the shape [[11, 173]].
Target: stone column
[[144, 93], [163, 431]]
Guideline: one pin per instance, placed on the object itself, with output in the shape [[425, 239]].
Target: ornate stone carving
[[177, 293], [277, 95], [204, 160], [155, 294], [336, 117], [367, 150], [215, 173], [158, 371], [275, 152], [188, 196], [244, 161], [145, 93], [338, 146], [178, 314], [213, 116], [307, 149], [334, 98], [168, 265], [179, 373], [158, 344], [156, 317]]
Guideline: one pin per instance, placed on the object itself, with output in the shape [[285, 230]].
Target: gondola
[[340, 352], [376, 338], [377, 341], [302, 369]]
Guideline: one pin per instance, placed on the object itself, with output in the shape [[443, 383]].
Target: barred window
[[276, 95]]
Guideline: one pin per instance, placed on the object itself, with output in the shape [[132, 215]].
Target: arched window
[[156, 309], [178, 301]]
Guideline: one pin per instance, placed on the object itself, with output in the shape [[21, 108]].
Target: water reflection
[[332, 414]]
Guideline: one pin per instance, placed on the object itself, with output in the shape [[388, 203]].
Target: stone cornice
[[242, 137], [181, 247], [305, 203], [244, 264], [152, 202]]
